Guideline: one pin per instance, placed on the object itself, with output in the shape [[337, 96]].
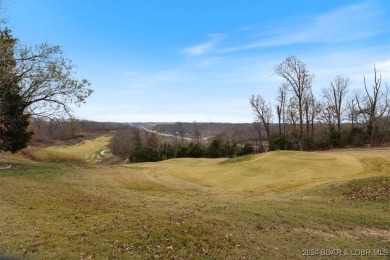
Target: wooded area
[[340, 117]]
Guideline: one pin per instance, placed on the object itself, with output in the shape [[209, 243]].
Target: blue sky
[[187, 60]]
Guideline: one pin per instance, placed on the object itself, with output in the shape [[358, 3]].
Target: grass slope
[[273, 206], [87, 150], [273, 171]]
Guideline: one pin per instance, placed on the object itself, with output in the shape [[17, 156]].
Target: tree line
[[138, 145], [340, 117], [62, 129]]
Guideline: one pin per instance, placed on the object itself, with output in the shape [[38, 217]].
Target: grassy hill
[[277, 205]]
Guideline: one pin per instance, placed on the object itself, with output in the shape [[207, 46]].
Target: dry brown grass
[[190, 208], [270, 172]]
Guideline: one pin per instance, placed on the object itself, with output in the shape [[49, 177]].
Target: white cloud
[[352, 22], [348, 23], [383, 68], [198, 49], [205, 47]]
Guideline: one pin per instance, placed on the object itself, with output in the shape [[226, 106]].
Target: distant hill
[[238, 130]]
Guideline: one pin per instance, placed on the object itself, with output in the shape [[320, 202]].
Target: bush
[[280, 142], [181, 152], [334, 138], [145, 154], [358, 136], [194, 150], [219, 148], [230, 149], [215, 149], [167, 151], [246, 149]]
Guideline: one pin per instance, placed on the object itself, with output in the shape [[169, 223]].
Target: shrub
[[246, 149], [358, 136], [280, 142], [181, 152], [194, 150]]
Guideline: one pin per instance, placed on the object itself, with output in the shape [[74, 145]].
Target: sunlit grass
[[273, 171], [85, 151], [270, 206]]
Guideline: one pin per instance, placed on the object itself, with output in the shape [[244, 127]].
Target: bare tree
[[373, 105], [352, 109], [48, 81], [196, 133], [281, 108], [256, 125], [298, 79], [153, 142], [311, 112], [263, 112], [316, 115], [292, 115], [123, 143], [180, 131], [334, 98], [230, 134], [47, 131]]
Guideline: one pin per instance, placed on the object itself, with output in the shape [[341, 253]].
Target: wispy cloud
[[205, 47], [383, 67], [351, 22]]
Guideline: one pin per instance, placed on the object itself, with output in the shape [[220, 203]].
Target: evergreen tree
[[215, 149], [181, 152], [246, 149], [194, 150], [13, 121]]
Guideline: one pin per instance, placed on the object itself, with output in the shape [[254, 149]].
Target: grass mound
[[271, 172], [373, 188]]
